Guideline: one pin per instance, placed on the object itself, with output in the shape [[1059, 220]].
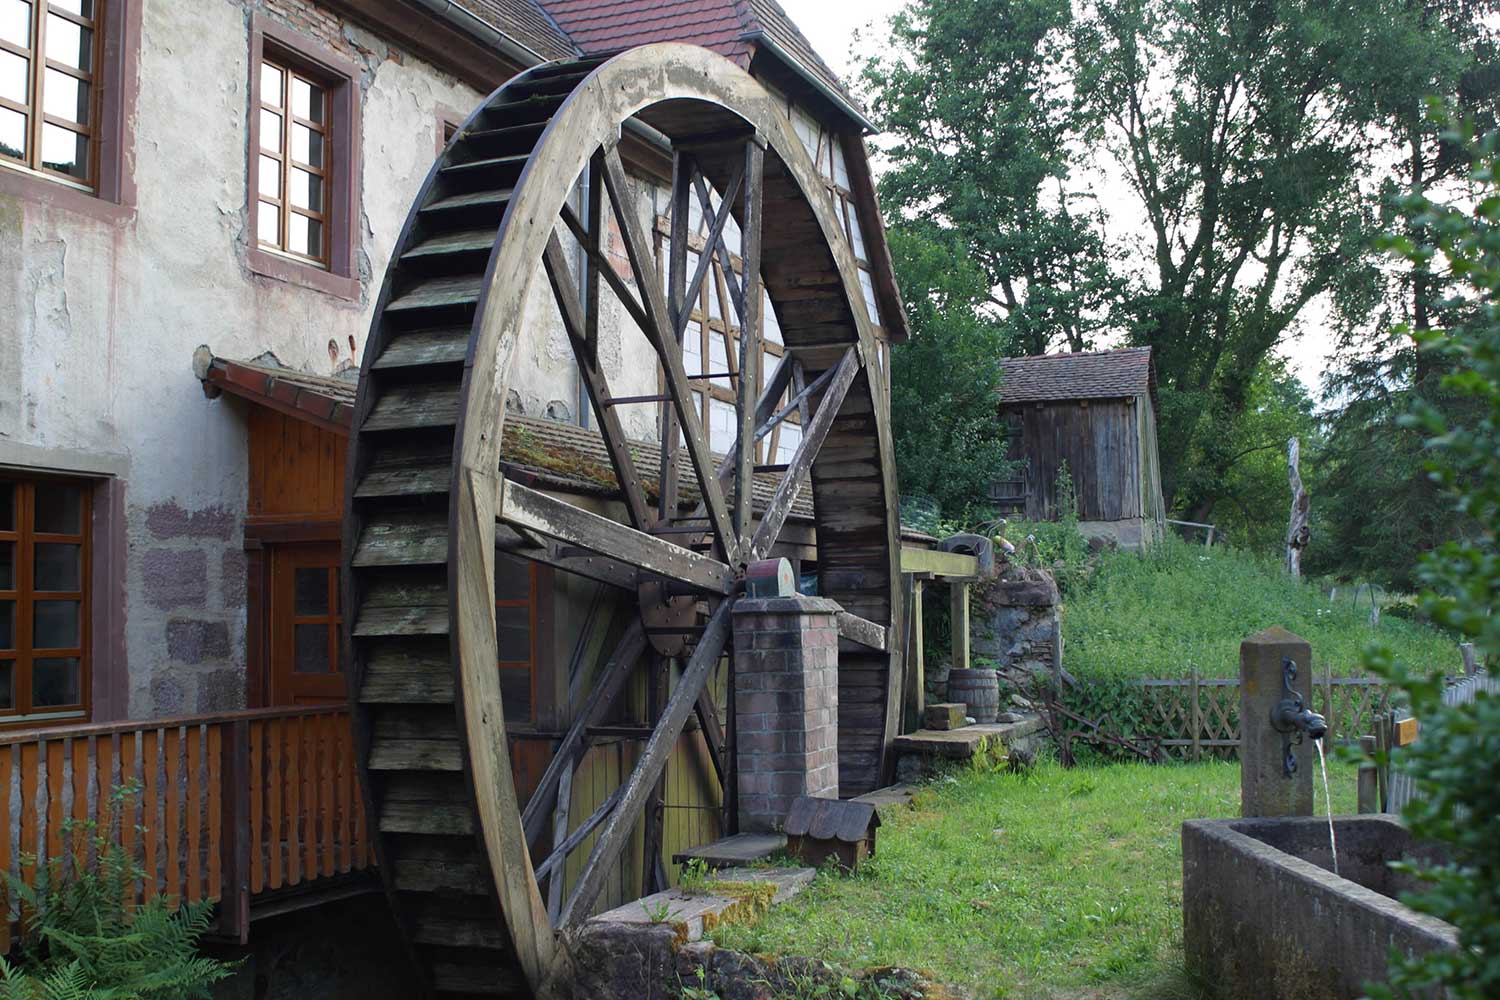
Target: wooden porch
[[259, 811]]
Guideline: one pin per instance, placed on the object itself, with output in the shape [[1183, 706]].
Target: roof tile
[[1126, 371]]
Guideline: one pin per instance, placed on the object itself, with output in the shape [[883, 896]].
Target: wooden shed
[[1094, 413]]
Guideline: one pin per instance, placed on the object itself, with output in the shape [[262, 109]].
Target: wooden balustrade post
[[1196, 714], [234, 837]]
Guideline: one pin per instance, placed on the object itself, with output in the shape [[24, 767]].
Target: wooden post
[[1297, 530], [1383, 760], [234, 839], [1328, 704], [958, 595], [916, 682], [1057, 659], [1369, 778], [1197, 713], [1471, 660]]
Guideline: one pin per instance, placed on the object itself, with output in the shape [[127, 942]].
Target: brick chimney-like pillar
[[786, 703]]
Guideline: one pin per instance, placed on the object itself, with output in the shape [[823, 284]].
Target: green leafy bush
[[1456, 764], [87, 940]]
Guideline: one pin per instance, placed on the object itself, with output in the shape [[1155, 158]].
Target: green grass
[[1060, 883], [1155, 616]]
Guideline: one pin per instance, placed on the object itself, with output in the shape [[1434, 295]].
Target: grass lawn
[[1156, 615], [1059, 883]]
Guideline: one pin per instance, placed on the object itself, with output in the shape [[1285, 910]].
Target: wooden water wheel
[[428, 505]]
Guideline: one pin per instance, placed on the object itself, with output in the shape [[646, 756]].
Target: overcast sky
[[831, 26]]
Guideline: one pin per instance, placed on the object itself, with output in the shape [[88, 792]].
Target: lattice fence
[[1193, 717]]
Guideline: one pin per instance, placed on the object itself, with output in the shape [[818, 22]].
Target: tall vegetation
[[1457, 761], [1194, 176]]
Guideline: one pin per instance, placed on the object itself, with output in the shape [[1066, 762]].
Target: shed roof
[[525, 22], [1126, 371], [831, 819]]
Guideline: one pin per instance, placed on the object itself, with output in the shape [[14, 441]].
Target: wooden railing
[[228, 806]]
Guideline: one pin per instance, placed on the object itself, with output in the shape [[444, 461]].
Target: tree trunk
[[1297, 531]]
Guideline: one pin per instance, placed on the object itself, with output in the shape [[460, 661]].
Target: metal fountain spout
[[1292, 718]]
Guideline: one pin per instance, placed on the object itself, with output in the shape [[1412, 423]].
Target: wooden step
[[472, 201], [415, 755], [442, 346], [444, 818], [483, 980], [461, 933], [469, 241], [403, 540], [440, 293], [496, 164], [413, 407], [404, 604], [525, 111], [414, 674], [523, 136], [406, 479], [375, 622], [430, 866]]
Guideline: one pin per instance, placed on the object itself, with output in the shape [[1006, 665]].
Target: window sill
[[274, 266], [34, 187]]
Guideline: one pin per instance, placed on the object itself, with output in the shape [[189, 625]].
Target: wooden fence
[[228, 806], [1193, 716]]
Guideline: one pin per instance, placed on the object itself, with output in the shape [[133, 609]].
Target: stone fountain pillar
[[1265, 789]]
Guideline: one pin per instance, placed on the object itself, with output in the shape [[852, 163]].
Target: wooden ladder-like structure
[[428, 507]]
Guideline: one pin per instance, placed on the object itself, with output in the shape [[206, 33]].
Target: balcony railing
[[231, 807]]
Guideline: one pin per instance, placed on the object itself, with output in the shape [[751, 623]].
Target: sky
[[831, 26]]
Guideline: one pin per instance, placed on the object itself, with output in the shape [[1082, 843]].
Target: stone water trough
[[1264, 916]]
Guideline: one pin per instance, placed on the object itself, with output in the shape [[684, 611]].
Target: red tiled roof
[[524, 22], [1113, 374]]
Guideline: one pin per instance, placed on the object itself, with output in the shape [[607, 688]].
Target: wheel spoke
[[523, 507], [813, 434], [657, 331], [653, 761], [749, 367]]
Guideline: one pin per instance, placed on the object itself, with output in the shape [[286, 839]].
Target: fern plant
[[87, 939]]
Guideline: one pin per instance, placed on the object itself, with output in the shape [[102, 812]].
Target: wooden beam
[[649, 767], [574, 323], [638, 250], [713, 730], [750, 170], [611, 679], [958, 596], [578, 836], [798, 402], [677, 250], [731, 280], [861, 630], [813, 434], [593, 251], [714, 239], [549, 553], [559, 838], [916, 680], [523, 507], [944, 564]]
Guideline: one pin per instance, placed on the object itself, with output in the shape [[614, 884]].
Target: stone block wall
[[1012, 621], [786, 705]]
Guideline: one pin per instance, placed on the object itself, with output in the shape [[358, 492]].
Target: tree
[[950, 444]]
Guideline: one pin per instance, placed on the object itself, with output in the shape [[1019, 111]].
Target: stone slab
[[736, 851], [945, 715], [962, 744], [889, 798], [687, 913]]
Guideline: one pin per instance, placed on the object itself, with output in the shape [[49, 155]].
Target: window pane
[[512, 578], [64, 151], [54, 625], [307, 145], [270, 131], [55, 683], [269, 181], [718, 359], [711, 283], [307, 100], [59, 509], [786, 445], [12, 133], [268, 224], [7, 624], [270, 85], [7, 506], [311, 655], [721, 426], [15, 80], [513, 634], [15, 22], [7, 684], [311, 592], [69, 43], [83, 8], [768, 365], [306, 236], [856, 235], [59, 566], [869, 289], [515, 694], [771, 327], [7, 565], [65, 96], [306, 190]]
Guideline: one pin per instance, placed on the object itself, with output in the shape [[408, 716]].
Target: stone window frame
[[287, 48], [113, 195]]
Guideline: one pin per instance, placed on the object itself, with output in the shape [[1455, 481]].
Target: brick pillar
[[786, 703]]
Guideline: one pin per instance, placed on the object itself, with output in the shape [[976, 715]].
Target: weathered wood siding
[[1099, 439], [1153, 506], [296, 469]]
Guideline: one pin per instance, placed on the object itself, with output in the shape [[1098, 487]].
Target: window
[[50, 61], [295, 154], [44, 602], [516, 635], [304, 162], [305, 625]]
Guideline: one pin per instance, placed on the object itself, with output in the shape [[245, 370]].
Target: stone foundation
[[1013, 624]]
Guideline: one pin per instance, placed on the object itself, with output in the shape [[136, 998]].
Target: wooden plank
[[151, 827], [752, 170], [648, 768], [214, 778], [570, 842], [958, 597], [683, 170], [780, 505], [524, 507], [944, 564], [104, 783], [271, 789], [861, 630], [8, 760], [172, 790], [30, 767], [80, 767], [310, 784], [56, 792], [328, 730], [345, 781]]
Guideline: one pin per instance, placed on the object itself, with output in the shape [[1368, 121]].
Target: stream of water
[[1333, 844]]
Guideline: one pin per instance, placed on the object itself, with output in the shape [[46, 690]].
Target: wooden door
[[305, 619]]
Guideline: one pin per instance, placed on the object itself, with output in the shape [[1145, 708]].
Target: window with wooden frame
[[44, 600], [306, 616], [51, 54], [304, 141], [517, 636], [711, 349]]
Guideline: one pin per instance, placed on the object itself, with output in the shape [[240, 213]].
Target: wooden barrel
[[978, 689]]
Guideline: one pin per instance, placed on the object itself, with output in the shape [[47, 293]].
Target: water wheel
[[428, 505]]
